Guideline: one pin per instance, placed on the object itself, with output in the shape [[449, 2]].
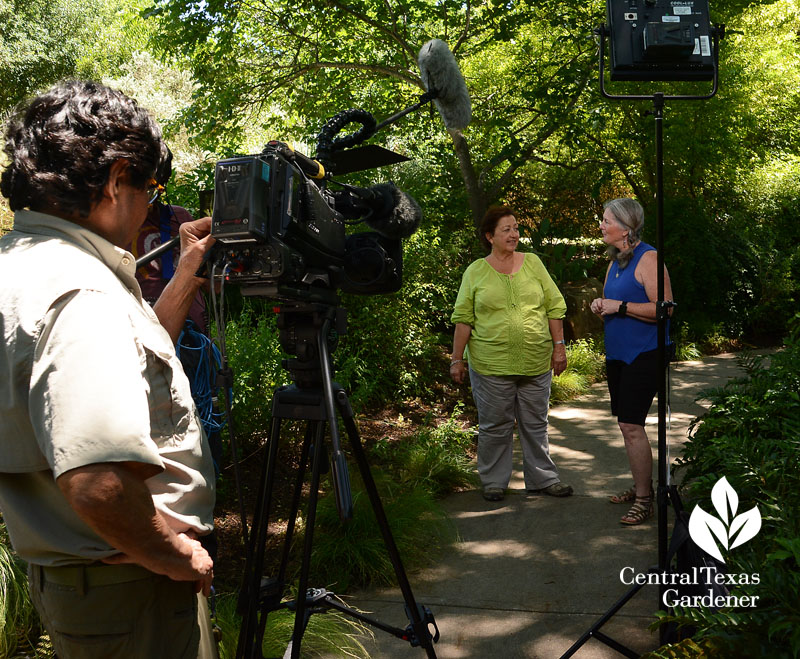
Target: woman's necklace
[[616, 275]]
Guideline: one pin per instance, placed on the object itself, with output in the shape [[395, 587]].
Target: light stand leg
[[594, 630]]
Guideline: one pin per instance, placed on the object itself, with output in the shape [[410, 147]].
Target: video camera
[[281, 232]]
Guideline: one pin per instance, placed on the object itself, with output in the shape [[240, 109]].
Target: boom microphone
[[404, 215], [389, 211], [442, 78]]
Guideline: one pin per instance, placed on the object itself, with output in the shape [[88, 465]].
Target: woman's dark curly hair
[[489, 223], [61, 146]]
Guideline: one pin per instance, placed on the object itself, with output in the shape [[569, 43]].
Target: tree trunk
[[475, 194]]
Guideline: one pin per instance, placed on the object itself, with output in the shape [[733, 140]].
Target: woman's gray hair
[[630, 214]]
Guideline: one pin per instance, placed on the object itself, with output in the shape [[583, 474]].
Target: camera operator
[[106, 479]]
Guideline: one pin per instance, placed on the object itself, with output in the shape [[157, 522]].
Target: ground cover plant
[[585, 366], [751, 435], [331, 633]]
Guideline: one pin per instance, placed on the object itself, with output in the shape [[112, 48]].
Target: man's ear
[[117, 175]]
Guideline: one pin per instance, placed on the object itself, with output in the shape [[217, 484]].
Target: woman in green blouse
[[509, 328]]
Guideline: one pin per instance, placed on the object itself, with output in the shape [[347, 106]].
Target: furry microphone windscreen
[[440, 74], [400, 214]]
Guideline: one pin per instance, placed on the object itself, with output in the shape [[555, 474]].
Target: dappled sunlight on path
[[531, 573]]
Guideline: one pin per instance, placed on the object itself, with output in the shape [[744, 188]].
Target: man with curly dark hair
[[106, 479]]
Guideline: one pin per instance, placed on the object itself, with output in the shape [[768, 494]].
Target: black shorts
[[633, 387]]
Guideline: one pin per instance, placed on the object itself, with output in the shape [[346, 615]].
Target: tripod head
[[299, 326]]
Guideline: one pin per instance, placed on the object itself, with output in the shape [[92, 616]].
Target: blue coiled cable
[[202, 361]]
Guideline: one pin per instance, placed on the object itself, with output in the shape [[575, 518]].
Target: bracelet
[[456, 361], [555, 343]]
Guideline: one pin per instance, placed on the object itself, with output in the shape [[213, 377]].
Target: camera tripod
[[305, 331]]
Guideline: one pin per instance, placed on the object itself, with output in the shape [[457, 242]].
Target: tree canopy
[[233, 74]]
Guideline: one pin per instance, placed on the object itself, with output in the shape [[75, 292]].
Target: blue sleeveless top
[[627, 338]]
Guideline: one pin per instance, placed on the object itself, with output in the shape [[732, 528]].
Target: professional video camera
[[281, 233]]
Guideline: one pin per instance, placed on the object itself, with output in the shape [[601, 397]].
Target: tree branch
[[378, 26]]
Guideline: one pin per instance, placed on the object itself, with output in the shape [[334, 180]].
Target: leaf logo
[[707, 530]]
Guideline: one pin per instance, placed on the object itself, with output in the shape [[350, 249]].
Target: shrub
[[751, 436], [393, 340], [687, 349], [585, 366], [434, 458], [254, 354], [352, 553], [18, 619]]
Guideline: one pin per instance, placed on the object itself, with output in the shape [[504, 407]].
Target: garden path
[[530, 574]]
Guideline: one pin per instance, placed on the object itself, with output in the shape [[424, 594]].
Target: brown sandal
[[640, 511], [624, 497]]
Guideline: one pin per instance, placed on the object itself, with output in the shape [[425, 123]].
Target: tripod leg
[[254, 565], [318, 456], [594, 630], [279, 583], [296, 496], [419, 626]]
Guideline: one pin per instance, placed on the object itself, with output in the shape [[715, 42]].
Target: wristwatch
[[623, 310]]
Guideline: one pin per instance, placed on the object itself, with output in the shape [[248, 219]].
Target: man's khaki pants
[[120, 611]]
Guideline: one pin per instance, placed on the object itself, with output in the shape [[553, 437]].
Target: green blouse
[[509, 317]]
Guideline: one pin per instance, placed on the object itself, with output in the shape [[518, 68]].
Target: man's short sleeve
[[88, 397]]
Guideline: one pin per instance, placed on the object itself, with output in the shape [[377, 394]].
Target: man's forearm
[[114, 501], [174, 303]]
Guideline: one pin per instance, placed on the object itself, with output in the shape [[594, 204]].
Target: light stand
[[662, 306]]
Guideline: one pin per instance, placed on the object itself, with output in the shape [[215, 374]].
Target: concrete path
[[529, 575]]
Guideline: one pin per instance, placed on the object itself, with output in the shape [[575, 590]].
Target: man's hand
[[196, 240], [114, 501], [199, 568]]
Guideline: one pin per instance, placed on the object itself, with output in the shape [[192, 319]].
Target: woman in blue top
[[628, 307]]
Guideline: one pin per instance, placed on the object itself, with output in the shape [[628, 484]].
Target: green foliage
[[687, 648], [40, 42], [436, 459], [44, 42], [6, 217], [18, 620], [585, 365], [328, 634], [392, 347], [687, 349], [566, 261], [750, 436], [352, 553], [254, 354]]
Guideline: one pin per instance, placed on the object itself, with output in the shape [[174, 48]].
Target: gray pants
[[500, 400]]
